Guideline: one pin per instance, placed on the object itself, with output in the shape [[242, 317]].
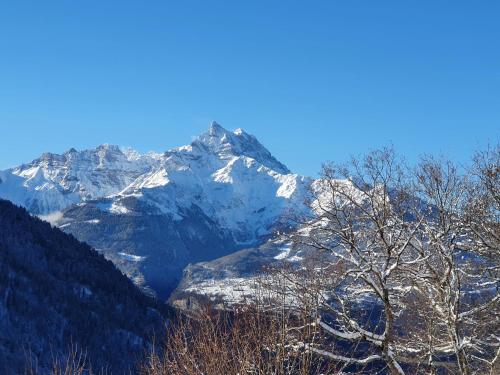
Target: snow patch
[[132, 257], [117, 208], [93, 221], [284, 254]]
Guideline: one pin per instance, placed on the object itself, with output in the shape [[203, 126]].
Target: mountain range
[[154, 214]]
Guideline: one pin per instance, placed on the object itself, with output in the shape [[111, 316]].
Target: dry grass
[[245, 342]]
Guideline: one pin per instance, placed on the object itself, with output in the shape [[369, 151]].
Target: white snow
[[284, 253], [235, 290], [54, 182], [131, 257], [92, 221], [295, 258], [117, 208], [230, 176]]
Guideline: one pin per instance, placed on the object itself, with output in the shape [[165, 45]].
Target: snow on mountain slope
[[233, 278], [227, 144], [230, 176], [54, 182], [223, 192]]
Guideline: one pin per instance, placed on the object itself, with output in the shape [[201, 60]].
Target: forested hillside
[[58, 294]]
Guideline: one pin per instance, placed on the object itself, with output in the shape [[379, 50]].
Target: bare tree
[[461, 283], [422, 248], [361, 223]]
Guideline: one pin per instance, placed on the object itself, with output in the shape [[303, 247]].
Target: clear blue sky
[[314, 81]]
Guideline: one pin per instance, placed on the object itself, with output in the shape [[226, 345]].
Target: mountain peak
[[216, 138], [108, 147], [225, 144], [216, 128]]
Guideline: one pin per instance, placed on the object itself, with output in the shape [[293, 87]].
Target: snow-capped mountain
[[230, 176], [153, 214], [54, 182]]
